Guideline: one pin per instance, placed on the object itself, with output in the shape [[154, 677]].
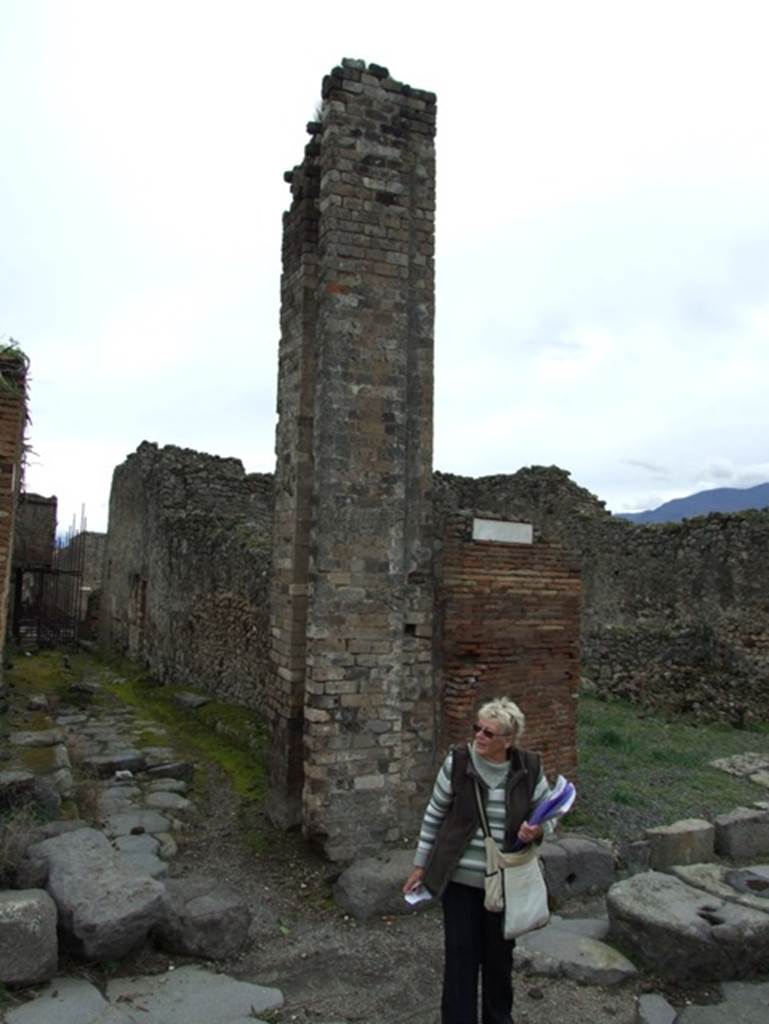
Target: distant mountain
[[722, 499]]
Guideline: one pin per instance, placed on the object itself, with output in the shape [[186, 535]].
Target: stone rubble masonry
[[674, 615], [13, 414], [352, 708], [509, 624], [186, 568], [35, 534], [84, 553]]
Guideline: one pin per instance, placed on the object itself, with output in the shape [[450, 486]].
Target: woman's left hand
[[530, 833]]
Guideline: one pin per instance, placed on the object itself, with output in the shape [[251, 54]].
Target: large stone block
[[574, 865], [104, 910], [203, 917], [690, 841], [373, 886], [683, 933], [743, 834], [28, 944]]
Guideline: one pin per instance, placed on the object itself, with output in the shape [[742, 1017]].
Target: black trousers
[[474, 945]]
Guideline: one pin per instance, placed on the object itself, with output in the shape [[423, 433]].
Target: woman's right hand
[[414, 880]]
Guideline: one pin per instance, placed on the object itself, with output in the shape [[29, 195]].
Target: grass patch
[[229, 736], [638, 770]]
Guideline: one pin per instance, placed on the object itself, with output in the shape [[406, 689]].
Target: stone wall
[[35, 533], [508, 616], [353, 707], [13, 414], [83, 557], [673, 615], [185, 586]]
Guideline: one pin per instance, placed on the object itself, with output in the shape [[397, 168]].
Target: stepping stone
[[204, 917], [38, 738], [742, 834], [557, 953], [37, 703], [168, 848], [683, 933], [68, 1001], [690, 841], [29, 949], [761, 778], [192, 994], [163, 801], [104, 910]]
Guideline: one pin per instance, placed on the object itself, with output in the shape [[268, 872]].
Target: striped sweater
[[472, 865]]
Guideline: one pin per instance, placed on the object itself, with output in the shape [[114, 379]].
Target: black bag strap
[[481, 809]]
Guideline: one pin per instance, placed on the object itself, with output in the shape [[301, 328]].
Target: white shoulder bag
[[513, 883]]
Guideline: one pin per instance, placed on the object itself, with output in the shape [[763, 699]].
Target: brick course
[[509, 620]]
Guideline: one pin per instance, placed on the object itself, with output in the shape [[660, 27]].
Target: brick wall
[[13, 369], [509, 624], [353, 704]]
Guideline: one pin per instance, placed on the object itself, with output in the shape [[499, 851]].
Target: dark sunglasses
[[488, 733]]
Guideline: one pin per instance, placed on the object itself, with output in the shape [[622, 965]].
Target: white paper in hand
[[417, 895]]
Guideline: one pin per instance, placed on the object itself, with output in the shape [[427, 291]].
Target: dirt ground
[[333, 969]]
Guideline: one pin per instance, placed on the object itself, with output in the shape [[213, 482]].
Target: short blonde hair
[[507, 713]]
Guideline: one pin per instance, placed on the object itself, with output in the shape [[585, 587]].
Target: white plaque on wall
[[503, 532]]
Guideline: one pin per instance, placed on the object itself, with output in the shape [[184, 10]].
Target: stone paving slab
[[68, 1001], [191, 995], [684, 933], [556, 953], [744, 1003], [135, 823]]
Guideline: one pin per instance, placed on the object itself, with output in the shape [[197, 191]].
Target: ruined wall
[[13, 414], [83, 556], [35, 533], [185, 586], [353, 710], [673, 615], [508, 615]]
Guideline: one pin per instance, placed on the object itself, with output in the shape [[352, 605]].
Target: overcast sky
[[602, 229]]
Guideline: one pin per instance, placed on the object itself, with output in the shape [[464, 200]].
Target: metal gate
[[46, 606]]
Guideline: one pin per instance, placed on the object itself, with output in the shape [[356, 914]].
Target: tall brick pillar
[[353, 708]]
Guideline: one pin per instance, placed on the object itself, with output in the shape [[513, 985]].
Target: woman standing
[[451, 859]]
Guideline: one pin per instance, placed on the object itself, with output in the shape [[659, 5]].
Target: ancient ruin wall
[[185, 585], [13, 413], [673, 615], [508, 616], [35, 533], [352, 588]]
